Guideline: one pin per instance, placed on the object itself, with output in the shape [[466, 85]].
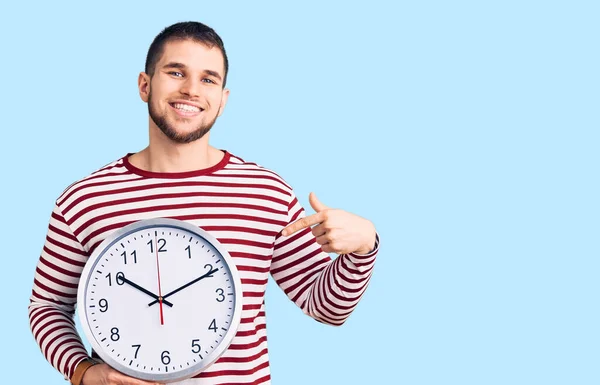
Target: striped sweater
[[243, 205]]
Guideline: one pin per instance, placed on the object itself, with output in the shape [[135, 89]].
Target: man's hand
[[102, 374], [337, 231]]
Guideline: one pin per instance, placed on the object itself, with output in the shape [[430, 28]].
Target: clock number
[[189, 252], [161, 242], [114, 334], [124, 254], [164, 243], [165, 357], [196, 345], [209, 266], [137, 349], [119, 278], [213, 325], [103, 303], [221, 296]]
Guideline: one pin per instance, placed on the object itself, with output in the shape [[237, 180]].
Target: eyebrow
[[183, 66], [213, 73], [174, 65]]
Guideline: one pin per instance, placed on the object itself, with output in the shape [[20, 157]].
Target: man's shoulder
[[94, 180], [255, 170]]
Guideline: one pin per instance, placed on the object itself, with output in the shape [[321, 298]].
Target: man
[[179, 175]]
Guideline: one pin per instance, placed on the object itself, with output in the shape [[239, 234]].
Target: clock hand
[[133, 284], [209, 274], [160, 297]]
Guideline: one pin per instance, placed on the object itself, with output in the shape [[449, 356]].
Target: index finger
[[302, 223]]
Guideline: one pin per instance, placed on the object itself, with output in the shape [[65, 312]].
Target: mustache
[[187, 99]]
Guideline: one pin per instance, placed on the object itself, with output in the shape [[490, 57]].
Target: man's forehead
[[193, 55]]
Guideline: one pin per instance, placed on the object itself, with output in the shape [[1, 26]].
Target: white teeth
[[186, 107]]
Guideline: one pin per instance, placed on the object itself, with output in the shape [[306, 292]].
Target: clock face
[[160, 300]]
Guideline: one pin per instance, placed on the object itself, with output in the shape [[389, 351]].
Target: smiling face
[[185, 95]]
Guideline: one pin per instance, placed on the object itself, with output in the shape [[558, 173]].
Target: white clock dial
[[160, 300]]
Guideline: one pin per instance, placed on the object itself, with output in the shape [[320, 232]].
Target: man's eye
[[175, 73], [208, 80]]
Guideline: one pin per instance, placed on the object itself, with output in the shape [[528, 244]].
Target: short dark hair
[[192, 30]]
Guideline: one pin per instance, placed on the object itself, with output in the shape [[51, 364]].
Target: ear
[[144, 86], [224, 99]]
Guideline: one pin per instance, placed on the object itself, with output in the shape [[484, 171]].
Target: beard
[[169, 130]]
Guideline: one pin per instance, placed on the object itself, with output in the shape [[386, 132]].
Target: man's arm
[[54, 296], [325, 289]]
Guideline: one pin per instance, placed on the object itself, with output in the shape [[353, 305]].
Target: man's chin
[[181, 129], [184, 136], [187, 120]]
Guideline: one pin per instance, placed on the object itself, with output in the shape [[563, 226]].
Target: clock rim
[[115, 237]]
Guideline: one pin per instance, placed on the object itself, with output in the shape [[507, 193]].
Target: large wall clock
[[160, 299]]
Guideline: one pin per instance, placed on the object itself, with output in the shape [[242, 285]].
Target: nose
[[190, 87]]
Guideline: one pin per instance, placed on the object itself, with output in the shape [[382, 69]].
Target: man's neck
[[165, 156]]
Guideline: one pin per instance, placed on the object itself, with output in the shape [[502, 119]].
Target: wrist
[[82, 367], [370, 242], [365, 250], [370, 246]]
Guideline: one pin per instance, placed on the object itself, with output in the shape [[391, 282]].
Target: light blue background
[[467, 131]]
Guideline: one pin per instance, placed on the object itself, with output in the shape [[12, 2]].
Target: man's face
[[185, 95]]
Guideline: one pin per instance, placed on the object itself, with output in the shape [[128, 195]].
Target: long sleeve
[[54, 296], [326, 289]]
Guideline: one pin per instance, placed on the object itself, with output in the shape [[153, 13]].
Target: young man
[[249, 209]]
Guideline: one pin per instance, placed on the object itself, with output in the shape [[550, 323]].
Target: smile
[[186, 109]]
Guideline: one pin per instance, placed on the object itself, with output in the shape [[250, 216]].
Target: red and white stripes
[[241, 204]]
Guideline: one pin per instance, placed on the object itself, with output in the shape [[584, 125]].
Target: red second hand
[[162, 321]]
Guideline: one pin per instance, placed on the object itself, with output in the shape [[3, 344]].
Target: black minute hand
[[209, 274], [122, 278]]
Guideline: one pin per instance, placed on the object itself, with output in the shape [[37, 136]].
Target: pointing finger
[[301, 223]]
